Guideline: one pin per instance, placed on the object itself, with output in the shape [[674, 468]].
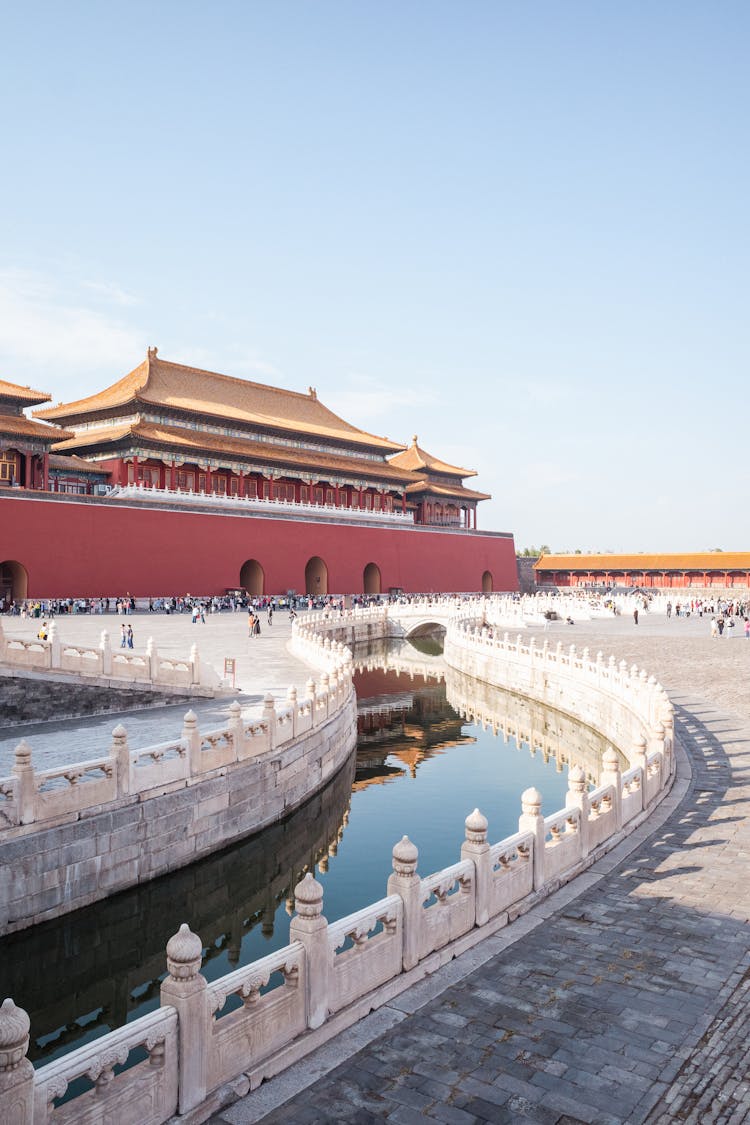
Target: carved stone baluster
[[185, 990], [16, 1072]]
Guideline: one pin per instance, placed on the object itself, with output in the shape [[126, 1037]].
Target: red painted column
[[45, 471], [336, 495], [403, 502], [208, 479], [241, 486], [27, 467]]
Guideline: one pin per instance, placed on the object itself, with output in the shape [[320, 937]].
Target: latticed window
[[9, 466]]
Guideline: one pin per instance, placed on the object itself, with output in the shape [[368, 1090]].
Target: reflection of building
[[334, 507], [403, 724], [712, 570]]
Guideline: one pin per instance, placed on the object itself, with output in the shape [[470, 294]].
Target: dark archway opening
[[252, 578], [316, 576], [14, 582], [371, 579], [487, 586]]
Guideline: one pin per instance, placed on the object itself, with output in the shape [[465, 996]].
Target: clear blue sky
[[519, 230]]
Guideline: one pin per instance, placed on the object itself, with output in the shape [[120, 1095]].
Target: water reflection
[[420, 767]]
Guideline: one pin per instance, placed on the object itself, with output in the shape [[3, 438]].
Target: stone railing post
[[152, 656], [237, 730], [311, 692], [25, 784], [269, 718], [192, 737], [185, 990], [577, 798], [16, 1072], [195, 665], [310, 928], [657, 743], [291, 702], [120, 753], [325, 689], [638, 758], [405, 883], [55, 648], [105, 653], [611, 775], [476, 848], [531, 820]]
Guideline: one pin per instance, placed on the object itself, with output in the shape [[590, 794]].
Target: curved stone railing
[[257, 770], [119, 666], [210, 1043]]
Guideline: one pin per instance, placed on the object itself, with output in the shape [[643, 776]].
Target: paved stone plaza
[[621, 998]]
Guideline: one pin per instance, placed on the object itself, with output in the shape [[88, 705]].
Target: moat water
[[420, 767]]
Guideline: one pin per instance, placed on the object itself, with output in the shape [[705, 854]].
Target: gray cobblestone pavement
[[620, 999]]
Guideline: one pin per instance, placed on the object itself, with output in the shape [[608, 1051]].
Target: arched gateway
[[371, 582], [14, 582], [252, 577], [316, 576], [487, 586]]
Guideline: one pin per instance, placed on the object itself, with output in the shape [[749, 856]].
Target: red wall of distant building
[[99, 549]]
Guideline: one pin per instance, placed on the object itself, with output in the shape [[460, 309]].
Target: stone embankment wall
[[33, 698], [77, 833], [212, 1041]]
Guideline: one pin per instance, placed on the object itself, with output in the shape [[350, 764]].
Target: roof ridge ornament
[[414, 440], [151, 353], [312, 393]]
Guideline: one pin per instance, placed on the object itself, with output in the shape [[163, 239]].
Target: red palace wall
[[93, 549]]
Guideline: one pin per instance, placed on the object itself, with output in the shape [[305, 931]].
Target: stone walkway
[[622, 998], [263, 665]]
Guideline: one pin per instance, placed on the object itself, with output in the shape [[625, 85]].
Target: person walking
[[635, 615], [131, 638], [123, 636], [251, 624], [747, 628]]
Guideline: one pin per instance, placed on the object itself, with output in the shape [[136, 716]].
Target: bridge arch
[[252, 577], [14, 582], [487, 583], [371, 581], [316, 576]]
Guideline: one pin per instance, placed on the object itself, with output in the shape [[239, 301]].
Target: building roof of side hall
[[703, 560], [172, 385], [202, 444], [454, 492], [17, 425], [25, 395], [76, 464], [418, 460]]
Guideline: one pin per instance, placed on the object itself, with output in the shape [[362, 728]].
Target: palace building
[[207, 450], [705, 571]]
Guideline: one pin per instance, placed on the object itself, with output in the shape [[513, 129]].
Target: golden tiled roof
[[456, 492], [18, 425], [183, 441], [172, 385], [703, 560], [417, 460], [22, 394], [76, 464]]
